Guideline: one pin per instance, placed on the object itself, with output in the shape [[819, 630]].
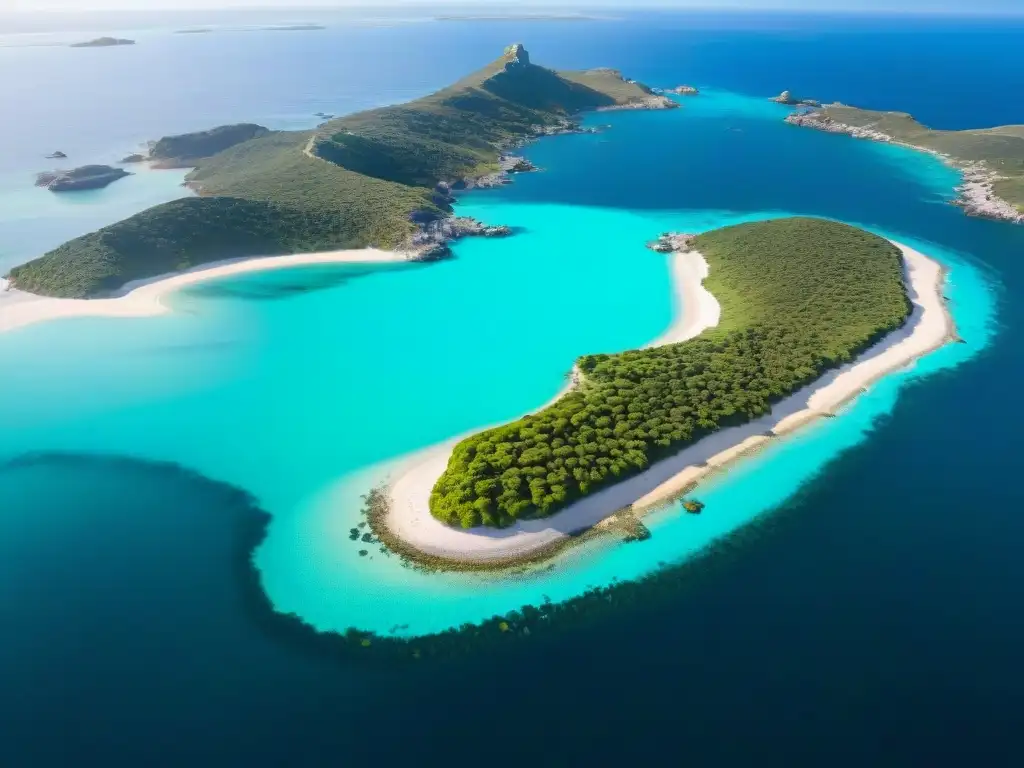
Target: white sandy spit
[[928, 328], [144, 298]]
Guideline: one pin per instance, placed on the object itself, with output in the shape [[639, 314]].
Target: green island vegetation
[[1000, 149], [799, 296], [362, 180], [195, 146]]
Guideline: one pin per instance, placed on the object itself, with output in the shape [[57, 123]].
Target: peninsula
[[376, 178], [991, 159], [103, 42], [794, 317]]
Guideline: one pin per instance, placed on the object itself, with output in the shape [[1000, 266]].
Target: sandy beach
[[928, 328], [144, 298]]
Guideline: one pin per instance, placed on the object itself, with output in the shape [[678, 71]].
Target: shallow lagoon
[[304, 387]]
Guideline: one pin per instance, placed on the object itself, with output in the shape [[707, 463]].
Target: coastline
[[976, 191], [146, 298], [408, 519]]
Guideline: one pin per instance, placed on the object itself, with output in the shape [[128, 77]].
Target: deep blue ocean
[[874, 618]]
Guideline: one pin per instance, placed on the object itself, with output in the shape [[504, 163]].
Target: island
[[293, 28], [377, 178], [103, 42], [58, 155], [78, 179], [135, 157], [990, 159], [783, 322], [787, 98], [684, 90]]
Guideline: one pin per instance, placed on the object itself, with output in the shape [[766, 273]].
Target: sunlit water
[[869, 617], [303, 387]]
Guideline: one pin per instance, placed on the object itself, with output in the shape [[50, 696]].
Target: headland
[[990, 159], [376, 179]]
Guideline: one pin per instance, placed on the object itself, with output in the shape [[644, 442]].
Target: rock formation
[[431, 240], [684, 90], [672, 242], [787, 98], [58, 155], [86, 177]]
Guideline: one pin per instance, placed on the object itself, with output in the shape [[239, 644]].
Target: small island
[[756, 354], [788, 99], [78, 179], [684, 90], [990, 159], [103, 42], [58, 155], [636, 408]]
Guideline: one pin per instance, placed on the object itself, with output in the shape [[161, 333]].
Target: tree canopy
[[798, 296]]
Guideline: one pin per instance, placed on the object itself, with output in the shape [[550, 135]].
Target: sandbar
[[929, 327], [145, 298]]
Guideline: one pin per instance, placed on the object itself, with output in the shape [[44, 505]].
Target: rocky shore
[[508, 166], [975, 194], [672, 242], [787, 98], [432, 239], [653, 101]]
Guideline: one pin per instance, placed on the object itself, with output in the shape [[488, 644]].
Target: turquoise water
[[305, 386]]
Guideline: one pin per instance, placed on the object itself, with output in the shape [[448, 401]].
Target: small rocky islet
[[103, 42], [80, 179]]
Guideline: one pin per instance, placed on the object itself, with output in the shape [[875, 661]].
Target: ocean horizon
[[179, 490]]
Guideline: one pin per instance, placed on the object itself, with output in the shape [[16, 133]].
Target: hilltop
[[992, 159], [375, 178]]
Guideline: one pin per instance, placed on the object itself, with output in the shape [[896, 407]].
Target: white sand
[[144, 298], [928, 328]]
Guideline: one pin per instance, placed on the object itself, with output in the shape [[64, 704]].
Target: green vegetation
[[1001, 148], [799, 296], [192, 146], [361, 180]]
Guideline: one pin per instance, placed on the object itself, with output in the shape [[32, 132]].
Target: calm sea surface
[[869, 615]]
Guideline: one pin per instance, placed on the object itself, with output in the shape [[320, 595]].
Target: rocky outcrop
[[517, 56], [822, 122], [509, 165], [787, 98], [103, 42], [976, 195], [684, 90], [323, 115], [133, 158], [431, 240], [651, 101], [86, 177], [58, 155], [672, 242]]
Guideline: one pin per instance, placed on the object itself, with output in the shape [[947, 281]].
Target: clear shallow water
[[891, 572], [284, 384]]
